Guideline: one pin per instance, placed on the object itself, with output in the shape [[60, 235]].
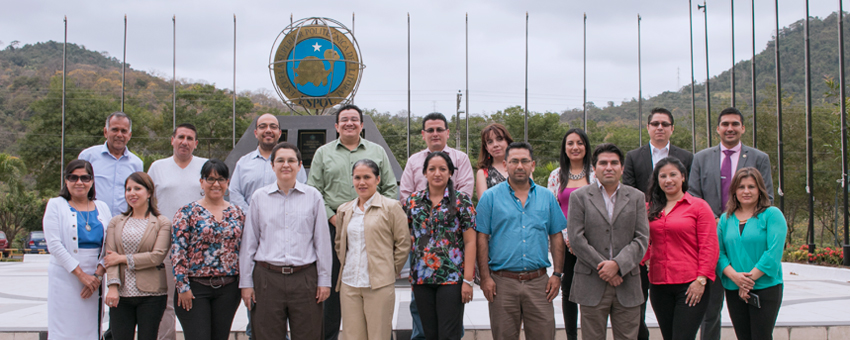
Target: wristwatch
[[467, 282], [558, 274], [701, 280], [98, 277]]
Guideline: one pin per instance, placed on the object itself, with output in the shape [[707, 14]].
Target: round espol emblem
[[316, 66]]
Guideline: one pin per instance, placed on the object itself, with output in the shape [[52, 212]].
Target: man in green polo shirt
[[330, 173]]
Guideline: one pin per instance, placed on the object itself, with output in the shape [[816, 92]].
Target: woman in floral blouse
[[442, 226], [205, 253]]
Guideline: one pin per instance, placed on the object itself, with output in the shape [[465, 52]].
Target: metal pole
[[525, 126], [780, 152], [810, 182], [640, 91], [457, 121], [467, 82], [352, 23], [753, 76], [64, 63], [843, 131], [408, 84], [174, 74], [124, 64], [234, 80], [707, 78], [733, 53], [693, 94], [584, 74]]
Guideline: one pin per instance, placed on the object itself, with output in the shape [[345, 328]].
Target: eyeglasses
[[664, 124], [211, 180], [266, 126], [432, 130], [347, 119], [74, 178], [524, 161]]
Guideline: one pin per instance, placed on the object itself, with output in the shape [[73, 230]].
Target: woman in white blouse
[[73, 227], [372, 243], [136, 245]]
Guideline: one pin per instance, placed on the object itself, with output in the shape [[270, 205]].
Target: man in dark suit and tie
[[710, 178], [638, 169]]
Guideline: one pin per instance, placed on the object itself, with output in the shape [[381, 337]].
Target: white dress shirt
[[356, 271], [659, 154]]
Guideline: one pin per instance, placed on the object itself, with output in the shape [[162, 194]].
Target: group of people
[[192, 239]]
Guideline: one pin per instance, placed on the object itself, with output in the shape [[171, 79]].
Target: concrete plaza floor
[[816, 302]]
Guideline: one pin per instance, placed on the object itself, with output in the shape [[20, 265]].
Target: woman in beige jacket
[[137, 242], [372, 243]]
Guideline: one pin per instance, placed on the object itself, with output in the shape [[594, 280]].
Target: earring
[[202, 192]]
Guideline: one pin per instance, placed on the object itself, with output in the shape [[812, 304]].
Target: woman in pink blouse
[[682, 253]]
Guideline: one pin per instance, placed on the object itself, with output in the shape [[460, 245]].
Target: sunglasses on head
[[74, 178]]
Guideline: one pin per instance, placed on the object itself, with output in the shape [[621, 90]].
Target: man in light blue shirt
[[254, 170], [515, 220], [113, 162]]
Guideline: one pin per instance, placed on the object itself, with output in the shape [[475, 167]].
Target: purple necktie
[[725, 178]]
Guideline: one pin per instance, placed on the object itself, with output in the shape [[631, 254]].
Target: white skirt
[[68, 315]]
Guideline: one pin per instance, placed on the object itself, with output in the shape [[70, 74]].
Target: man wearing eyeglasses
[[254, 170], [435, 133], [113, 162], [518, 221], [638, 170], [177, 183], [330, 173], [710, 178]]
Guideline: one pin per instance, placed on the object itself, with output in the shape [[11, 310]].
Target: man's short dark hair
[[435, 116], [349, 107], [185, 126], [119, 114], [519, 145], [285, 145], [660, 110], [606, 147], [730, 111]]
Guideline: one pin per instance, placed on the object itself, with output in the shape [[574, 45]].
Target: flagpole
[[753, 70], [843, 131], [707, 79], [810, 182], [174, 74], [234, 80], [584, 72], [525, 126], [733, 53], [408, 84], [124, 64], [640, 91], [693, 93], [64, 73], [780, 152], [467, 82]]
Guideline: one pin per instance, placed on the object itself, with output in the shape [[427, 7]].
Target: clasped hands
[[610, 272], [744, 282]]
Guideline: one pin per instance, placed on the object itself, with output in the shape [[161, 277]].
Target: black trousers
[[332, 313], [710, 328], [643, 331], [212, 311], [751, 322], [569, 308], [441, 310], [675, 318], [144, 311]]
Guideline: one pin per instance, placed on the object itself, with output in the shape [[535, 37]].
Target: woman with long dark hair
[[74, 230], [491, 158], [682, 251], [136, 244], [752, 236], [442, 227], [574, 172]]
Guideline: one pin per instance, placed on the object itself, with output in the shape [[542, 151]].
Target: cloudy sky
[[496, 44]]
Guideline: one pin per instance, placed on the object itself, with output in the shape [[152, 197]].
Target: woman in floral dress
[[442, 227], [205, 255]]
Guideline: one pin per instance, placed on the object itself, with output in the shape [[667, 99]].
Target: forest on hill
[[30, 120]]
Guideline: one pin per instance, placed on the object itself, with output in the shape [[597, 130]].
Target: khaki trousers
[[367, 314], [282, 298], [625, 321], [167, 325], [521, 303]]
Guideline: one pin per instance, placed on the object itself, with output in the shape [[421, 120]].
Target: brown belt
[[522, 276], [285, 270], [214, 281]]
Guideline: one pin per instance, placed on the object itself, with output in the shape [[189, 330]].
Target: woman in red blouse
[[683, 251]]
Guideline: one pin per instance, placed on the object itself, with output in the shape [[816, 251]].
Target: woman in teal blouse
[[752, 235]]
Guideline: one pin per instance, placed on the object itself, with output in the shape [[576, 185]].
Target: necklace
[[88, 227], [576, 177]]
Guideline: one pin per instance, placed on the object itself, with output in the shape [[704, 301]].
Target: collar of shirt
[[366, 205], [256, 154], [298, 187], [359, 145], [427, 193], [605, 192], [737, 148], [655, 150], [106, 151], [530, 189]]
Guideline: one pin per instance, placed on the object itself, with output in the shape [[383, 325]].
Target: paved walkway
[[814, 296]]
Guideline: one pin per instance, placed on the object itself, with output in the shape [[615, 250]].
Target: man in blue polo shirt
[[516, 219], [113, 162]]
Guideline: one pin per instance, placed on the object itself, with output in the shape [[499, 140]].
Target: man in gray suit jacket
[[608, 232], [709, 174]]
